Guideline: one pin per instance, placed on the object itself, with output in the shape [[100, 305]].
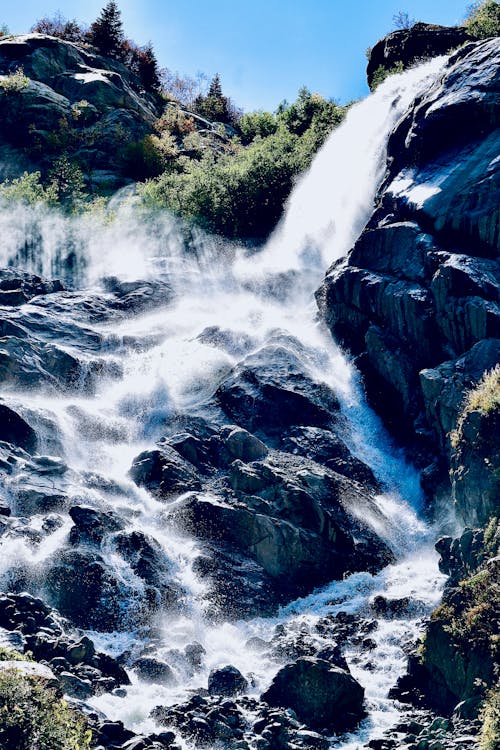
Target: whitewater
[[258, 296]]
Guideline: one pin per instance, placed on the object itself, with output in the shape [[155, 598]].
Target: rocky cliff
[[416, 301], [68, 100]]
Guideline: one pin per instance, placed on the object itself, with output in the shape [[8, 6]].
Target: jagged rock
[[417, 298], [269, 390], [164, 473], [410, 46], [92, 525], [227, 681], [61, 75], [321, 695], [14, 429]]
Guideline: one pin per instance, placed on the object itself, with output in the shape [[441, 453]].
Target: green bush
[[33, 717], [239, 191], [485, 397], [28, 189], [381, 73], [483, 20], [490, 716], [15, 82]]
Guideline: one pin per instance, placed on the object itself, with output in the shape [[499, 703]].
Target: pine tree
[[107, 32], [147, 68], [215, 89]]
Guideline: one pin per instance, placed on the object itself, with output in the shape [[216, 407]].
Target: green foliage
[[485, 397], [215, 106], [472, 614], [67, 182], [33, 717], [490, 716], [236, 190], [10, 654], [15, 81], [483, 19], [145, 158], [106, 33], [256, 125], [27, 189], [381, 73]]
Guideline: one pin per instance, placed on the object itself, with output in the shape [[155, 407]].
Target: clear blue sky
[[264, 50]]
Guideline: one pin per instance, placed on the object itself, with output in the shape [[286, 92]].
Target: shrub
[[27, 189], [483, 19], [490, 716], [33, 716], [485, 397], [146, 158], [381, 73], [15, 82], [256, 124], [60, 27]]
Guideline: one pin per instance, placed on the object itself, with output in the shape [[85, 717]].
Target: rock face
[[410, 46], [99, 101], [322, 696], [417, 299]]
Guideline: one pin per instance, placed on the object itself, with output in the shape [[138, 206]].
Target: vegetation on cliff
[[32, 714]]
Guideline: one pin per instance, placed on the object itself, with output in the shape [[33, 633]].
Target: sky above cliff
[[264, 50]]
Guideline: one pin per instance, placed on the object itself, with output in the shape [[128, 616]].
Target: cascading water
[[167, 368]]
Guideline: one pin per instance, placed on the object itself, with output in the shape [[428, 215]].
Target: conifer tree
[[106, 33]]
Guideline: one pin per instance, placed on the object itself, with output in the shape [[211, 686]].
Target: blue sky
[[264, 50]]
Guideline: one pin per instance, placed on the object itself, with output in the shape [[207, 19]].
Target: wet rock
[[227, 681], [14, 429], [154, 671], [92, 525], [164, 473], [391, 607], [269, 390], [321, 695], [84, 590], [243, 445], [74, 686]]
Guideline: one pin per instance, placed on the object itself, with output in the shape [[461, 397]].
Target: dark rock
[[391, 607], [321, 695], [74, 686], [227, 681], [84, 590], [92, 525], [14, 429], [164, 473], [409, 46], [269, 390], [152, 670]]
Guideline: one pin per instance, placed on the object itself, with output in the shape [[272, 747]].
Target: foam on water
[[260, 298]]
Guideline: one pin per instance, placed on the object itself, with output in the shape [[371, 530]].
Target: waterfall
[[169, 368]]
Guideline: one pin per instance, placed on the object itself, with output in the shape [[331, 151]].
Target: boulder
[[270, 390], [323, 696], [411, 46], [92, 525], [152, 670], [227, 681]]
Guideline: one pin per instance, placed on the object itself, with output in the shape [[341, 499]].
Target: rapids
[[169, 369]]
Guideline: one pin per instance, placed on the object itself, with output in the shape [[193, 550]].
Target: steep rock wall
[[417, 298]]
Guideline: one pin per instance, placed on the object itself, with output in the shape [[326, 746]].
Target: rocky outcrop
[[417, 301], [73, 100], [323, 696], [410, 46]]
